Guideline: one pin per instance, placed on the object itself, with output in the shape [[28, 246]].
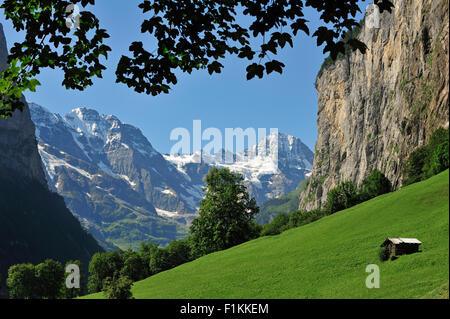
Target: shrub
[[413, 168], [102, 266], [299, 218], [344, 196], [179, 252], [374, 185], [428, 160], [276, 226], [255, 230], [384, 253], [133, 266], [159, 261], [295, 218], [118, 288], [441, 158], [145, 251], [439, 137]]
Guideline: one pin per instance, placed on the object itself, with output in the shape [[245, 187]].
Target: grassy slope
[[327, 259]]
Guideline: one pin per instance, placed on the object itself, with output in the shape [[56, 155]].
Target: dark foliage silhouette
[[190, 35]]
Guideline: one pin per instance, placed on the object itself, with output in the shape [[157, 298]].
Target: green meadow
[[328, 258]]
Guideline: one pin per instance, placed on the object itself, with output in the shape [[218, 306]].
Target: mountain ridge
[[108, 172]]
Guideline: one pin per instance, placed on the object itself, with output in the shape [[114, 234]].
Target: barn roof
[[397, 241], [410, 240]]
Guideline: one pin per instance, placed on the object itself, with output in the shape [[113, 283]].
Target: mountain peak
[[282, 137], [84, 114], [38, 107], [98, 161], [88, 122]]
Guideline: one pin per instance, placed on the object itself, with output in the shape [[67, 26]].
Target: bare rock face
[[17, 139], [125, 192], [35, 223], [375, 109]]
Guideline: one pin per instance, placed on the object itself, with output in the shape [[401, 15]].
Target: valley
[[125, 192], [94, 192], [327, 258]]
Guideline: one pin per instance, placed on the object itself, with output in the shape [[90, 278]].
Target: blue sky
[[287, 102]]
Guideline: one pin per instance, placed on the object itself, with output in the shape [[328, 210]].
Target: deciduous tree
[[225, 215], [50, 279], [344, 196], [190, 35], [133, 266], [374, 185], [118, 288], [22, 282], [102, 266]]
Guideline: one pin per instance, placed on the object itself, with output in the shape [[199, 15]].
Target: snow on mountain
[[111, 177], [273, 167], [116, 183]]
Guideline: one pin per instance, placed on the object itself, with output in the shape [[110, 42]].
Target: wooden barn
[[401, 246]]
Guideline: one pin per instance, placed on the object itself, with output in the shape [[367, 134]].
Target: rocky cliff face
[[375, 109], [17, 140], [35, 224]]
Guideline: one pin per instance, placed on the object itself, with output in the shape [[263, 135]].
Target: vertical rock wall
[[18, 146], [375, 109]]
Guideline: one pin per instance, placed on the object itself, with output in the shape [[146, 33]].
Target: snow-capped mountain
[[125, 192], [273, 167], [112, 178]]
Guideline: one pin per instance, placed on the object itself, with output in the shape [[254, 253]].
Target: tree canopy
[[190, 35], [102, 266], [344, 196], [49, 43], [118, 288], [374, 185], [26, 281], [429, 159], [226, 213]]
